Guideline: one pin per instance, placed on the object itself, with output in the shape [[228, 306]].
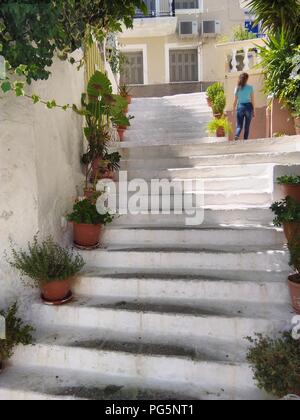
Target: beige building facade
[[174, 47]]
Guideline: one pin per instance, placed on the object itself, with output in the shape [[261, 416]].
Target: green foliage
[[213, 90], [277, 15], [276, 364], [217, 123], [117, 60], [296, 107], [16, 333], [113, 160], [85, 212], [46, 262], [294, 248], [219, 103], [289, 180], [242, 34], [31, 32], [124, 90], [286, 211], [277, 62]]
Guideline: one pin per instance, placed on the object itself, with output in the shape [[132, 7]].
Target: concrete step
[[192, 161], [207, 237], [265, 146], [222, 215], [148, 362], [29, 383], [229, 258], [204, 172], [160, 322], [62, 384], [179, 288], [249, 183]]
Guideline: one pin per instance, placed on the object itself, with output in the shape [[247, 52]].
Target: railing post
[[246, 59], [234, 61]]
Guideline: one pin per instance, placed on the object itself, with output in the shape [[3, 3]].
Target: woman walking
[[245, 105]]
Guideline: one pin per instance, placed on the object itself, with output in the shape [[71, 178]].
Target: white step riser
[[200, 237], [172, 329], [19, 395], [178, 292], [204, 172], [211, 218], [260, 261], [217, 160], [155, 368], [229, 148]]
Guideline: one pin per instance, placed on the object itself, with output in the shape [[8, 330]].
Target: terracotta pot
[[297, 126], [292, 191], [291, 230], [295, 291], [221, 132], [56, 291], [129, 99], [86, 235], [121, 132]]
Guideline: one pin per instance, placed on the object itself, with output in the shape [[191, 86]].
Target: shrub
[[242, 34], [86, 212], [294, 248], [46, 262], [219, 104], [214, 90], [286, 211], [289, 180], [16, 333], [217, 123], [276, 364]]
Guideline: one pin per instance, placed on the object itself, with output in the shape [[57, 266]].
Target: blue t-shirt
[[244, 94]]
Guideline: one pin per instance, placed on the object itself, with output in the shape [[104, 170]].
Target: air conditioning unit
[[188, 28], [211, 28]]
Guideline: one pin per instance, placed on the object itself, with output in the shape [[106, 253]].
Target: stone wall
[[40, 169]]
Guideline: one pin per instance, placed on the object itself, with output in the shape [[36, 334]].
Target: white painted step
[[208, 237], [192, 161], [160, 322], [221, 215], [61, 384], [206, 172], [150, 363], [179, 288], [229, 258]]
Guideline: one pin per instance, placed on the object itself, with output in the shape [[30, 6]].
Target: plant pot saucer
[[87, 248], [67, 299]]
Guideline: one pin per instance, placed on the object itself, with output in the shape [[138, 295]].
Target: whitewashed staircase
[[163, 309]]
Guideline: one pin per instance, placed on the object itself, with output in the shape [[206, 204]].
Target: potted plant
[[296, 114], [294, 279], [287, 215], [219, 105], [112, 165], [124, 91], [212, 91], [276, 364], [50, 267], [291, 186], [219, 127], [16, 333], [88, 223]]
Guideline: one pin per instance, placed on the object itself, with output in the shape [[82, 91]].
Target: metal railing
[[158, 8]]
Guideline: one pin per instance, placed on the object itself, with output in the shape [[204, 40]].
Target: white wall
[[39, 167]]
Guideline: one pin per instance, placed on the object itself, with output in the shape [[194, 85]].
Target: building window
[[187, 4], [133, 68], [184, 66]]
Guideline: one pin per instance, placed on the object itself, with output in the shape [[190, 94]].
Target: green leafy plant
[[219, 104], [286, 211], [218, 123], [242, 34], [214, 90], [296, 107], [124, 90], [113, 160], [276, 364], [85, 212], [289, 180], [16, 333], [294, 248], [46, 261]]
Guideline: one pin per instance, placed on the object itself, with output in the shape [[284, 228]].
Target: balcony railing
[[158, 8]]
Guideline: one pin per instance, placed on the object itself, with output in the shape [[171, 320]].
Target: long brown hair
[[243, 79]]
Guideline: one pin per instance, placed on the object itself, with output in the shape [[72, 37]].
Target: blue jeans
[[244, 118]]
